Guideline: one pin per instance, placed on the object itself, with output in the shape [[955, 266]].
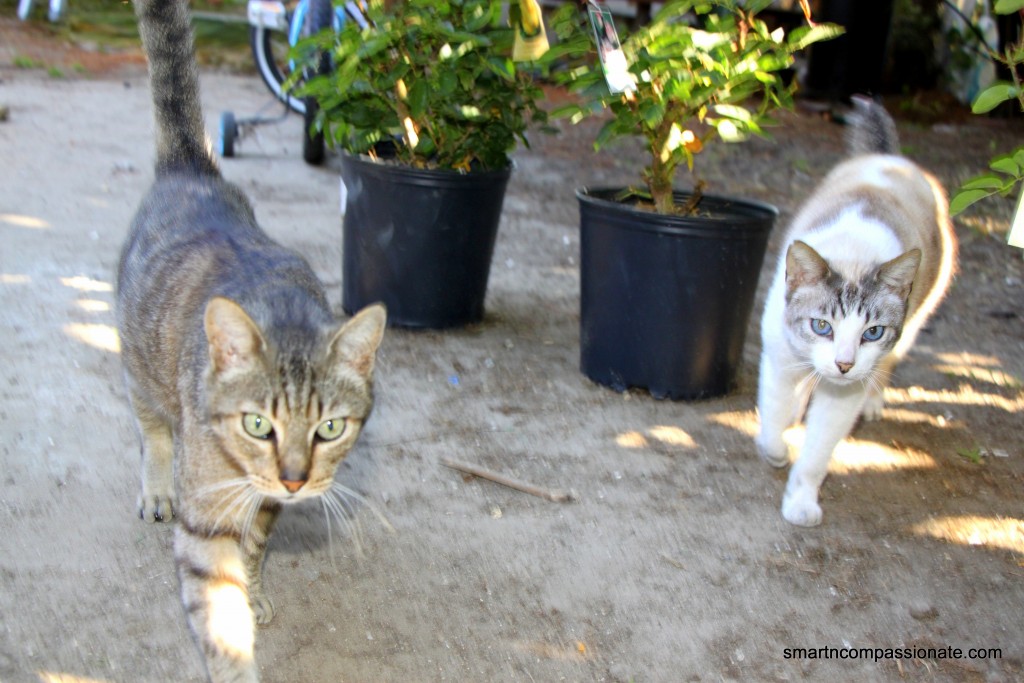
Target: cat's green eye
[[329, 430], [873, 333], [821, 327], [257, 426]]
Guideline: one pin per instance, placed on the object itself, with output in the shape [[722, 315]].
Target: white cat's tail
[[871, 129]]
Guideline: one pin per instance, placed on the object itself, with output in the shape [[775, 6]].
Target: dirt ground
[[673, 565]]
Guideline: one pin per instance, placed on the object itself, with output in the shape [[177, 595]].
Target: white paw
[[776, 454], [262, 607], [873, 405], [156, 507], [801, 509]]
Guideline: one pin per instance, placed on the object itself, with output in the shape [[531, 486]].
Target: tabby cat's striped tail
[[871, 129], [166, 30]]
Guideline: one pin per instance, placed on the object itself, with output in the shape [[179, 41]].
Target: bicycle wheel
[[270, 52], [319, 15]]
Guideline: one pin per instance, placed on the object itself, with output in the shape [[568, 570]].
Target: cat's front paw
[[775, 454], [801, 509], [156, 507], [873, 405], [262, 608]]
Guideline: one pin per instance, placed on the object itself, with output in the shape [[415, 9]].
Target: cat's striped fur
[[865, 262], [247, 392]]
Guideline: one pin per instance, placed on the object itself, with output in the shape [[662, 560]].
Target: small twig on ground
[[554, 495], [672, 561]]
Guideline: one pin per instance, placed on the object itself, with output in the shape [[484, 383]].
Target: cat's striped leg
[[215, 592], [831, 415], [254, 547], [155, 503]]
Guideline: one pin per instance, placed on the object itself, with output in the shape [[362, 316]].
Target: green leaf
[[801, 37], [993, 96], [1005, 163], [502, 67], [964, 198], [1008, 6], [417, 99], [987, 181], [972, 454], [478, 22], [447, 83], [652, 113], [733, 112], [606, 133]]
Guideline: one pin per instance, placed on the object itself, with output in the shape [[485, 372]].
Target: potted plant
[[668, 277], [1007, 168], [427, 104]]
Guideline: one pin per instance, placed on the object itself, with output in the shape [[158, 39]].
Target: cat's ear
[[899, 273], [234, 339], [804, 266], [357, 341]]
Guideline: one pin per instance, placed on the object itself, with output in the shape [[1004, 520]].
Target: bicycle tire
[[261, 41], [319, 16]]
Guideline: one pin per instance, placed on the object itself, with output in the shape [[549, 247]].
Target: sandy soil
[[674, 565]]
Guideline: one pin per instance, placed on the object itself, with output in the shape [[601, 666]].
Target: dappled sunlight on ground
[[743, 421], [98, 335], [855, 455], [667, 435], [918, 417], [992, 532], [103, 337], [977, 368], [963, 396], [51, 677], [93, 305], [86, 284], [19, 221]]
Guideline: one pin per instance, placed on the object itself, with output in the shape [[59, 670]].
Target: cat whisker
[[345, 492], [330, 536], [344, 515], [799, 364], [242, 496], [237, 482], [877, 380], [809, 383], [252, 501]]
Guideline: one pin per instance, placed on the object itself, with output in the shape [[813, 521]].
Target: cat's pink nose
[[843, 366], [293, 485]]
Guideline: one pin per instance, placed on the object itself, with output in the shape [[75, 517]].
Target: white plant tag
[[609, 50], [1016, 236]]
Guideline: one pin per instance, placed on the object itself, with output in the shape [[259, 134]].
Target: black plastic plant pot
[[665, 300], [418, 240]]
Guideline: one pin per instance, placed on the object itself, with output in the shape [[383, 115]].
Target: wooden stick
[[554, 495]]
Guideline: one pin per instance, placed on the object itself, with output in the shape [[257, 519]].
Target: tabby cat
[[247, 392], [866, 260]]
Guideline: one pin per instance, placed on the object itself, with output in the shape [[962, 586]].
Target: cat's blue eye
[[873, 333], [257, 426], [821, 327]]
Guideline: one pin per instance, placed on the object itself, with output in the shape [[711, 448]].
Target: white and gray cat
[[864, 264], [247, 392]]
